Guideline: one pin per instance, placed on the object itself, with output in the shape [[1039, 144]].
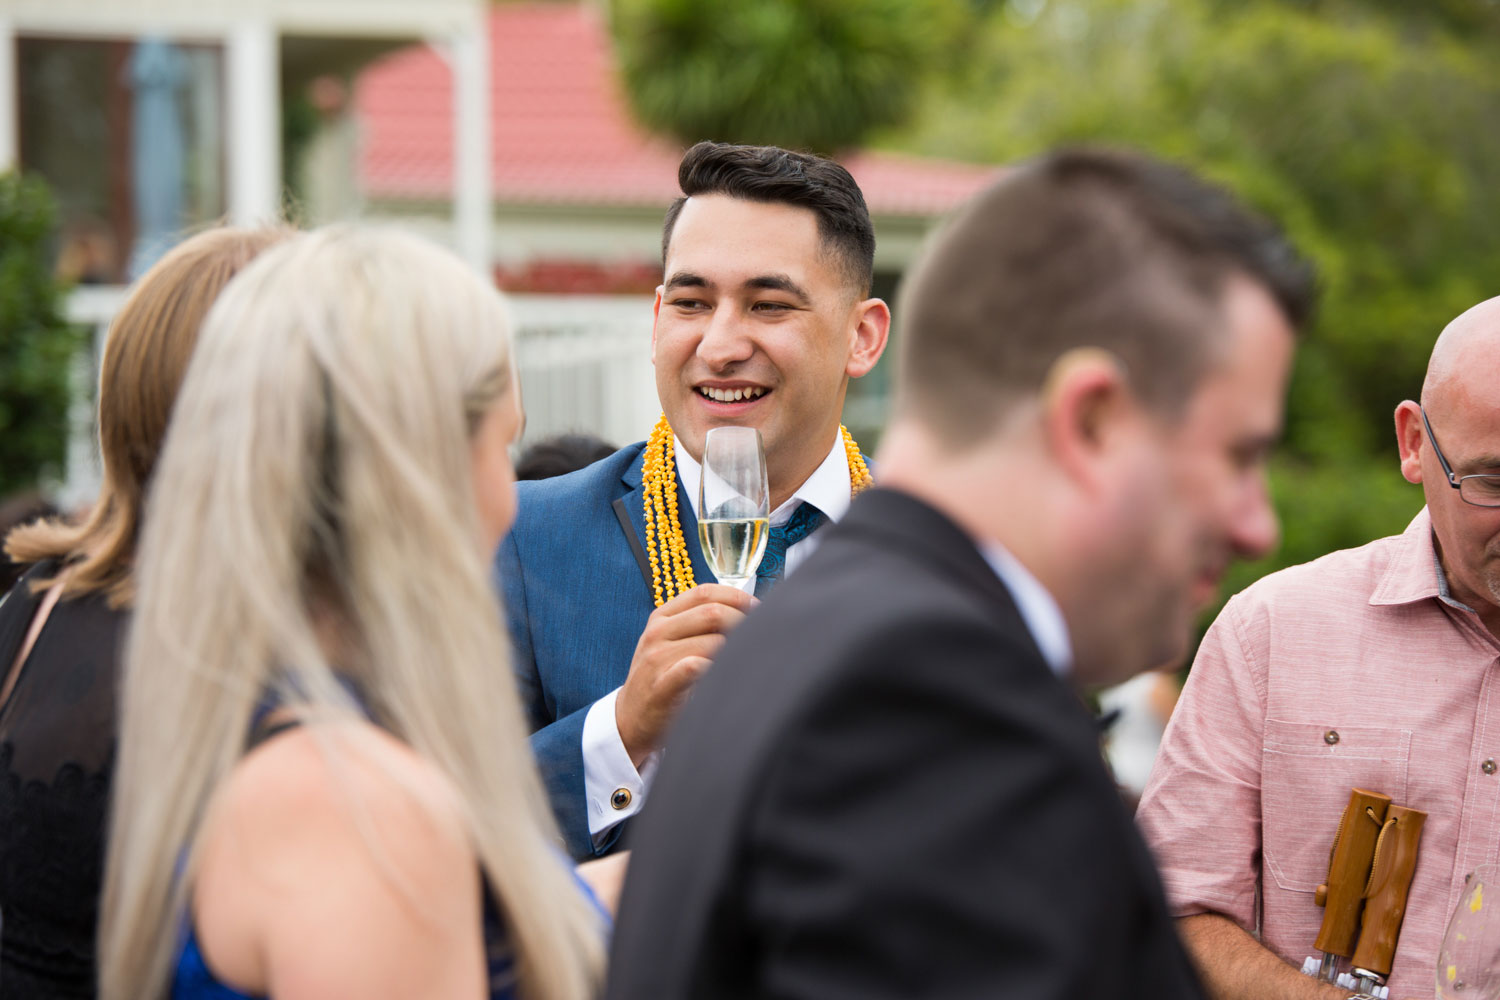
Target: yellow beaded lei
[[664, 543]]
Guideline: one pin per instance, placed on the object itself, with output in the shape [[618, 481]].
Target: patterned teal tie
[[804, 521]]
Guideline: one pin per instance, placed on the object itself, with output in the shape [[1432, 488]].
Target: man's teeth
[[731, 395]]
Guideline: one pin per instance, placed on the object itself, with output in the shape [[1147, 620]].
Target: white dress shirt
[[1038, 608], [609, 777]]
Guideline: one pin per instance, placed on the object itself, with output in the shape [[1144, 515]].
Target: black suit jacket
[[882, 790]]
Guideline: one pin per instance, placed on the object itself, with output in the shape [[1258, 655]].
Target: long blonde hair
[[145, 355], [319, 459]]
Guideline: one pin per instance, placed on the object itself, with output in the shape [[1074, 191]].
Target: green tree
[[1467, 16], [36, 345], [1373, 142], [805, 74]]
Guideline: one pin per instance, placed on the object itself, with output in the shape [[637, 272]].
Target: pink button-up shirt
[[1250, 782]]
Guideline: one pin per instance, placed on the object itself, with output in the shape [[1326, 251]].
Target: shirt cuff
[[614, 788]]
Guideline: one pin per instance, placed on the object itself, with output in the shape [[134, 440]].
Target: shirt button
[[1488, 767], [1331, 737], [621, 798]]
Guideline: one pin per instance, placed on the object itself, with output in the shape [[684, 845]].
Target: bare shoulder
[[317, 769], [335, 860], [337, 785]]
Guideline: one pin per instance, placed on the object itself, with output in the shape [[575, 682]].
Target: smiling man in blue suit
[[763, 315]]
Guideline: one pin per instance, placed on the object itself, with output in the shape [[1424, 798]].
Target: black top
[[57, 746]]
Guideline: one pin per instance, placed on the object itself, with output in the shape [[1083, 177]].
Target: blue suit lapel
[[631, 508]]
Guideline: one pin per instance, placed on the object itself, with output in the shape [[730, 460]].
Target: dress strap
[[270, 702], [261, 733]]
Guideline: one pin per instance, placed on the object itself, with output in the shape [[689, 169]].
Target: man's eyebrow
[[1266, 440], [1257, 446], [779, 283], [1468, 466], [687, 279]]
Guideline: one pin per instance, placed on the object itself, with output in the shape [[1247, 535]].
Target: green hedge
[[36, 345]]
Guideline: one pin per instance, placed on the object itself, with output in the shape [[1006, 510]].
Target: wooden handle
[[1349, 866], [1390, 880]]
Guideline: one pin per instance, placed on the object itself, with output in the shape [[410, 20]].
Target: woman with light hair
[[61, 631], [324, 779]]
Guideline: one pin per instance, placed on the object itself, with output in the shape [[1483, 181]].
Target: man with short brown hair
[[763, 316]]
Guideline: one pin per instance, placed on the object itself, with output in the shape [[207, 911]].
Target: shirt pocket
[[1307, 771]]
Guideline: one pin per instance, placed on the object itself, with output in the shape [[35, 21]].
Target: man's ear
[[1086, 403], [1410, 439], [655, 316], [869, 332]]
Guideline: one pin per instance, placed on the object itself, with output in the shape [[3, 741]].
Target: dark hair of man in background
[[560, 455], [780, 176], [1101, 249]]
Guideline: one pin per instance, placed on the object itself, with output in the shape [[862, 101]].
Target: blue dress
[[192, 979]]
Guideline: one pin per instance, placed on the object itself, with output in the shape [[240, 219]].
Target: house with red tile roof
[[151, 119], [578, 188]]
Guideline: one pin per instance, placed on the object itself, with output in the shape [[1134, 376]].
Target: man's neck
[[780, 495], [786, 481], [988, 494]]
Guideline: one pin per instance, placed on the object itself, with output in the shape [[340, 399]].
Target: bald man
[[1375, 668]]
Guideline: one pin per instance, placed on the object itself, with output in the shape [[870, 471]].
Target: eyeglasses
[[1481, 491]]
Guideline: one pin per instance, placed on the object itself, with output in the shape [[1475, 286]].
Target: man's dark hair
[[1082, 248], [781, 176], [560, 455]]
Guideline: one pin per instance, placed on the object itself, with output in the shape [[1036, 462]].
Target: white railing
[[585, 365], [91, 306]]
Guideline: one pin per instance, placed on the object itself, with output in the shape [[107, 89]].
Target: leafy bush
[[36, 345], [1372, 140], [805, 74]]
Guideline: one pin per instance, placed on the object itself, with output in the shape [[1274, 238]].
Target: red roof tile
[[561, 131]]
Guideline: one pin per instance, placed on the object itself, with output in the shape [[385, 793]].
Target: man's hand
[[680, 641]]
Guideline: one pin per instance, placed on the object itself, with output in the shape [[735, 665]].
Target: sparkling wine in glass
[[1468, 966], [734, 503]]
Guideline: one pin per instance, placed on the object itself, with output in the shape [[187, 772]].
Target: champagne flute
[[1468, 966], [734, 503]]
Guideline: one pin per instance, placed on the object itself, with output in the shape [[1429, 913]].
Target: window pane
[[128, 135]]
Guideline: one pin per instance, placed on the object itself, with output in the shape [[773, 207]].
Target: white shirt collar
[[826, 489], [1043, 618]]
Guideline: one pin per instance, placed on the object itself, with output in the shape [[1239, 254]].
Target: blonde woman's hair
[[145, 355], [319, 471]]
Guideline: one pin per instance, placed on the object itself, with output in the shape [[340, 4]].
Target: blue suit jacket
[[577, 589]]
